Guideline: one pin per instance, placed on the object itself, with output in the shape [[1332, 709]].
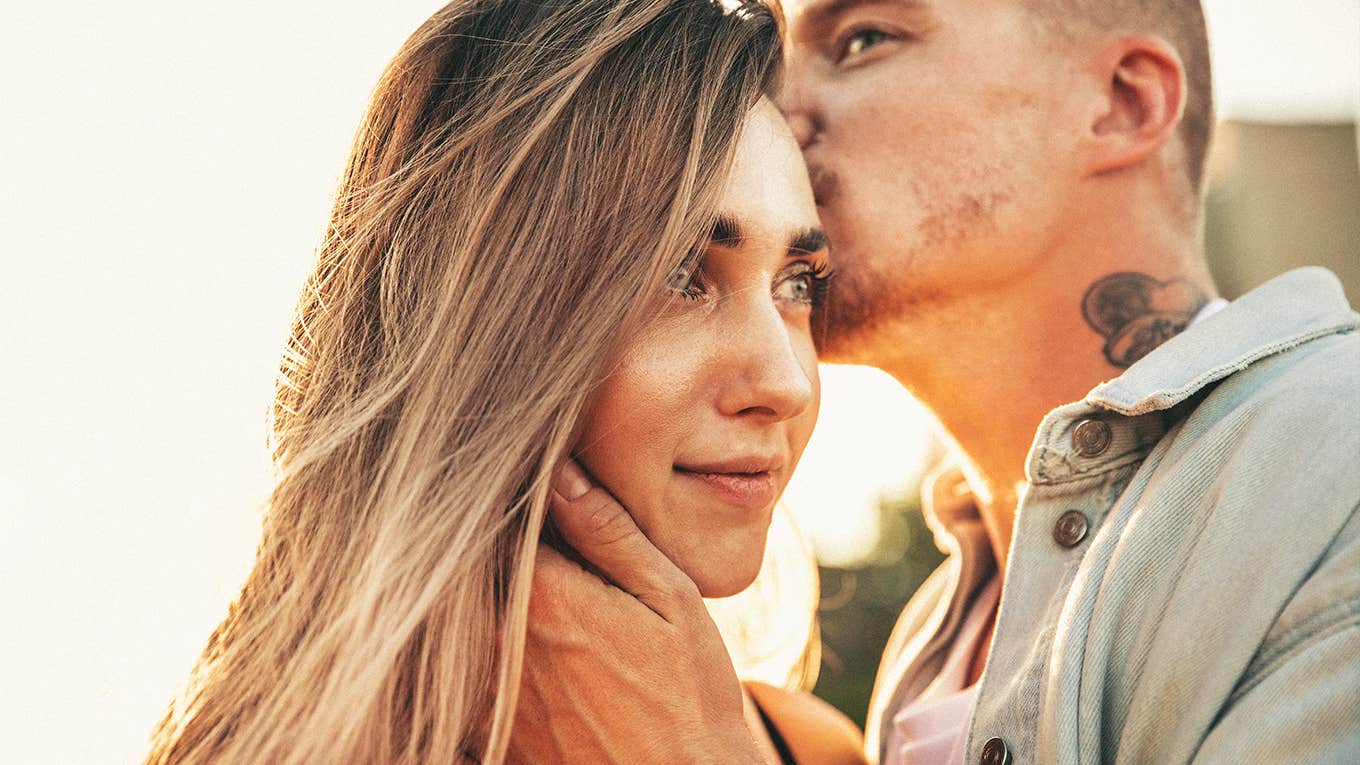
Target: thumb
[[605, 534]]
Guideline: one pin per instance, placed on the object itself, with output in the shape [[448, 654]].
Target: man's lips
[[824, 184]]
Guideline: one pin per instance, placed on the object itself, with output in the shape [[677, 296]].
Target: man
[[1161, 486]]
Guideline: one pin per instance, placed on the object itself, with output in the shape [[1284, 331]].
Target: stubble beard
[[866, 300], [844, 326]]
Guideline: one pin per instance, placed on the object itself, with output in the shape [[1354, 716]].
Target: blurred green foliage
[[860, 605]]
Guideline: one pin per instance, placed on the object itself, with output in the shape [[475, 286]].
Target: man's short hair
[[1181, 23]]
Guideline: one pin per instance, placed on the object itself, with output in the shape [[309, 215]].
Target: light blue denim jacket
[[1184, 580]]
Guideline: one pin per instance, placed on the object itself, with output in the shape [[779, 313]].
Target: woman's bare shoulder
[[816, 732]]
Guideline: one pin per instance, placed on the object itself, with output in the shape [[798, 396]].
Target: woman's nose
[[763, 374]]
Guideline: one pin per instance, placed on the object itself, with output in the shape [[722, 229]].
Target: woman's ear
[[1140, 105]]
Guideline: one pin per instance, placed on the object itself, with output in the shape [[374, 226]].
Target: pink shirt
[[931, 729]]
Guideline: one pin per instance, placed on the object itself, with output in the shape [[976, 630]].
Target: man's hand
[[629, 670]]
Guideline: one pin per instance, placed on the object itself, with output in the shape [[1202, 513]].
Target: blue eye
[[807, 287], [679, 278], [798, 289], [683, 280]]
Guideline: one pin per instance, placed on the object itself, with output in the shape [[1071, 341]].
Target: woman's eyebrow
[[806, 242], [727, 232]]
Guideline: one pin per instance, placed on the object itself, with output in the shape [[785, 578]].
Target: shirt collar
[[952, 515], [1210, 308]]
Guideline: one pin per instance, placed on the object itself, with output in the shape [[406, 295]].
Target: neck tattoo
[[1135, 313]]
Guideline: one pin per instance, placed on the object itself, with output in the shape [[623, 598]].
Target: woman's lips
[[751, 491]]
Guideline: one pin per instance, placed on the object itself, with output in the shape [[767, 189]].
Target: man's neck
[[991, 366]]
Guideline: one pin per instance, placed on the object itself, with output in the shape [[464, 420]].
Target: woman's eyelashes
[[807, 284], [803, 283]]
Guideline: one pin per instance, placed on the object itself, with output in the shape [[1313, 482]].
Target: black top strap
[[780, 745]]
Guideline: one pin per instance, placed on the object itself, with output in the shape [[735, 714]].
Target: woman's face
[[703, 418]]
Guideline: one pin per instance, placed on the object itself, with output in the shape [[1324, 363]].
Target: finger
[[604, 533], [554, 580], [562, 574], [562, 594]]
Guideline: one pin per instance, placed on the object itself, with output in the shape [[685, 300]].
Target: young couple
[[555, 365]]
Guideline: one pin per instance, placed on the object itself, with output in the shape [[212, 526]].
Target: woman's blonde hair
[[527, 174]]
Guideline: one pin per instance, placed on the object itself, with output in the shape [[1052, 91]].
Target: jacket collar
[[1291, 309]]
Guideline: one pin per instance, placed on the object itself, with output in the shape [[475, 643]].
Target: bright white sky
[[166, 173]]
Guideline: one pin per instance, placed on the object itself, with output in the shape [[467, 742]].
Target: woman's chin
[[722, 577]]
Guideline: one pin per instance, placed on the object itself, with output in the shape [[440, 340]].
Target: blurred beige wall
[[1283, 196]]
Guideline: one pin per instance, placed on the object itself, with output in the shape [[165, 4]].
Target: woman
[[566, 227]]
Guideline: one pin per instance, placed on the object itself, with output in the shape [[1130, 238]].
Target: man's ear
[[1140, 105]]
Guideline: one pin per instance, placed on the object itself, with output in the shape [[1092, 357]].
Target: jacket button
[[1070, 529], [1091, 438], [995, 752]]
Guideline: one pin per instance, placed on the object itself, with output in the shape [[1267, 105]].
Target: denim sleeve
[[1306, 710], [1300, 700]]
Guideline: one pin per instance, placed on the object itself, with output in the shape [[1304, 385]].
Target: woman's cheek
[[802, 425], [643, 413]]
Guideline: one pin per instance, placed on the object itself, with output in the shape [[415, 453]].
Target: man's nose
[[764, 376], [795, 104], [796, 101], [802, 126]]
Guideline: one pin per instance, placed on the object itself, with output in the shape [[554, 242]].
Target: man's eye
[[862, 41]]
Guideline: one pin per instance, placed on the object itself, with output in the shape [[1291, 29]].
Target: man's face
[[931, 133]]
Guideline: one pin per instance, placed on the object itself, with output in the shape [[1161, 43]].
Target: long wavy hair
[[527, 174]]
